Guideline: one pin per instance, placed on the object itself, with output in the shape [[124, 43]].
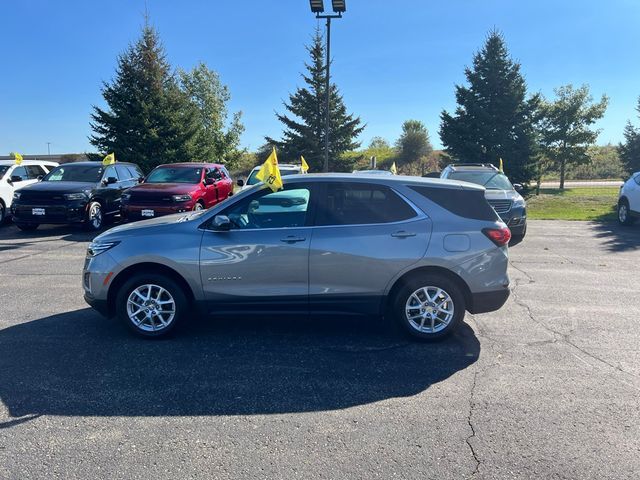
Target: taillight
[[499, 236]]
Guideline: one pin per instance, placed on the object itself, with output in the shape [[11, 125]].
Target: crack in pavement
[[470, 423], [556, 335]]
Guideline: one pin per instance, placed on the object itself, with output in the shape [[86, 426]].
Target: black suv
[[84, 192]]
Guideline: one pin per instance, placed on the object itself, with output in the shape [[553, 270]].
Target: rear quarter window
[[464, 203]]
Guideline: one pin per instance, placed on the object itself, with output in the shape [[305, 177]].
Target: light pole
[[49, 149], [317, 7]]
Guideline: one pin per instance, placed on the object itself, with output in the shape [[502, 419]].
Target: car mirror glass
[[240, 182], [518, 187]]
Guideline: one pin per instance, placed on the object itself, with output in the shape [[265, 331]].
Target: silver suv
[[418, 251]]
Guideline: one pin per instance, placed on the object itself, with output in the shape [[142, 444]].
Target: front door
[[364, 235], [262, 263]]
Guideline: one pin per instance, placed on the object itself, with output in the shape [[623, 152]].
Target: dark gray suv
[[420, 252], [504, 197]]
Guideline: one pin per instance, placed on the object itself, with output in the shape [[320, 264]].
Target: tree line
[[157, 115]]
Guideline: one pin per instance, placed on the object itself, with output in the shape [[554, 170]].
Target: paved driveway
[[548, 387]]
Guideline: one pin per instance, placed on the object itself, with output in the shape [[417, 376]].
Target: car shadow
[[71, 233], [78, 363], [618, 238]]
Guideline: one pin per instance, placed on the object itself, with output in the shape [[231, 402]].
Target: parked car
[[177, 187], [85, 193], [419, 252], [504, 197], [285, 169], [13, 177], [629, 200]]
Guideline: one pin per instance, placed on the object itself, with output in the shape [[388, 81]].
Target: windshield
[[252, 180], [3, 170], [75, 173], [175, 175], [489, 180]]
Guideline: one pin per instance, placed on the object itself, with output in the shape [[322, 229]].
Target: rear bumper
[[488, 301]]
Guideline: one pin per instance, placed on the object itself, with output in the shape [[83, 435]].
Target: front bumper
[[100, 306], [72, 212], [134, 212], [488, 301]]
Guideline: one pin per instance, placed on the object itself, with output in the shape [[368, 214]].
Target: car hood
[[59, 187], [169, 188], [151, 226]]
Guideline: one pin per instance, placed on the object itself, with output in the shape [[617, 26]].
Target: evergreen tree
[[413, 144], [304, 132], [215, 140], [566, 136], [149, 121], [630, 149], [493, 119]]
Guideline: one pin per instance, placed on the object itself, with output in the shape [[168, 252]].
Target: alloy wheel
[[95, 215], [151, 308], [429, 309]]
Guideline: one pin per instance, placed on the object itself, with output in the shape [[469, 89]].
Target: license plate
[[147, 213], [37, 211]]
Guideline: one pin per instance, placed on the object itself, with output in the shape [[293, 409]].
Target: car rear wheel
[[429, 308], [95, 217], [27, 227], [198, 206], [624, 215], [151, 305]]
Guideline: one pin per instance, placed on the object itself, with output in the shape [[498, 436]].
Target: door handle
[[292, 239], [403, 234]]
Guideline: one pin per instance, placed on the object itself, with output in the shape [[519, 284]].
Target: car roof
[[30, 162], [472, 167], [190, 164], [389, 180]]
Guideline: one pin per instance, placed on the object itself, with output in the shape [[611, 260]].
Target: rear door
[[363, 236]]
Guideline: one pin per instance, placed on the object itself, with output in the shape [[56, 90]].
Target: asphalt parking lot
[[547, 387]]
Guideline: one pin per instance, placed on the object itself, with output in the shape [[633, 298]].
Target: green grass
[[580, 203]]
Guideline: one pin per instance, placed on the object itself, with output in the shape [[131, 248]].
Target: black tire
[[3, 212], [198, 206], [431, 280], [92, 222], [624, 213], [27, 227], [181, 305]]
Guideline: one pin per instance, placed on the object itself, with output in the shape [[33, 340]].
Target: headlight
[[518, 202], [181, 198], [96, 248], [16, 195], [75, 196]]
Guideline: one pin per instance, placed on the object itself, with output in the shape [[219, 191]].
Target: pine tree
[[149, 121], [630, 149], [493, 119], [304, 132], [413, 144]]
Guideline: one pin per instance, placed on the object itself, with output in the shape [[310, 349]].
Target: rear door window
[[361, 204], [34, 171], [123, 172]]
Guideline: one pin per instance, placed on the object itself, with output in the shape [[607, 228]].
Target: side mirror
[[110, 181], [40, 177], [16, 178], [209, 181], [240, 182], [518, 187], [221, 223], [140, 179]]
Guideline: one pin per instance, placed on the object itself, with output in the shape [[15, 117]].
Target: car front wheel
[[624, 215], [429, 308], [95, 217], [151, 305]]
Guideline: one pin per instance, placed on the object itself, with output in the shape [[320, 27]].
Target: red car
[[177, 187]]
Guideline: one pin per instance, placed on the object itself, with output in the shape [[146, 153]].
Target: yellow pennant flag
[[393, 168], [501, 169], [109, 159], [17, 157], [270, 173], [304, 164]]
